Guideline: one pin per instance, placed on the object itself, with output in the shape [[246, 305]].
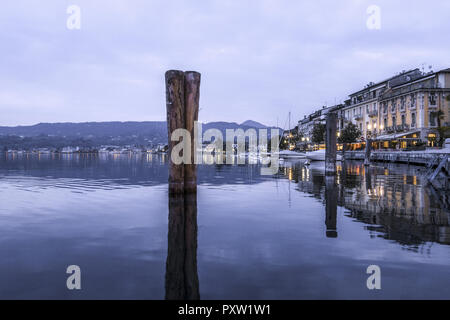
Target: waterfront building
[[306, 125], [400, 112], [413, 110]]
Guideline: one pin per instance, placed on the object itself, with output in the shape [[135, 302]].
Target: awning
[[395, 135]]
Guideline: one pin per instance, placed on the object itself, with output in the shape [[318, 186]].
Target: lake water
[[295, 235]]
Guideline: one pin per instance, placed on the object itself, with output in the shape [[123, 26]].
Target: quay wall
[[407, 157]]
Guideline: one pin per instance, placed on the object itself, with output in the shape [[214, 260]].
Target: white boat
[[291, 154], [319, 155]]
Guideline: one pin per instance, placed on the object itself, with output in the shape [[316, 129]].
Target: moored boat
[[319, 155]]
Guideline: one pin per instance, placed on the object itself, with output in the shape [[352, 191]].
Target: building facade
[[404, 110]]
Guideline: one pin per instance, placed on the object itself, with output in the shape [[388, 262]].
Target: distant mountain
[[253, 124], [249, 124], [86, 129], [109, 133]]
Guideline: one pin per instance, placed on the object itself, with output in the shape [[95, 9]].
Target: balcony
[[390, 129], [432, 105], [373, 113], [401, 127], [357, 116]]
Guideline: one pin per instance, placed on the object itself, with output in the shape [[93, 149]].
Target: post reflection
[[181, 265], [331, 198]]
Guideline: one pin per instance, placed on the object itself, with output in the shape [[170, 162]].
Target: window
[[385, 123], [403, 120], [413, 119], [432, 119], [394, 121], [432, 99]]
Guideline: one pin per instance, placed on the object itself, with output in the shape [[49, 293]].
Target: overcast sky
[[259, 59]]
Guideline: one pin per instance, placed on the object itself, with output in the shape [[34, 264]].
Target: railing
[[402, 127], [373, 113], [357, 116]]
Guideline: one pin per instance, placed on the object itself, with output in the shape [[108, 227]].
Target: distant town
[[99, 137]]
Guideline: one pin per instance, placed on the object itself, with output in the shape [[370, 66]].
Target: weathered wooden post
[[368, 150], [192, 98], [175, 120], [344, 148], [182, 99], [330, 153]]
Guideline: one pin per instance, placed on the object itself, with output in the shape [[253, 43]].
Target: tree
[[318, 133], [444, 133], [349, 134]]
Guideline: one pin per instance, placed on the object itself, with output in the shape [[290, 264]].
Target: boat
[[291, 154], [319, 155]]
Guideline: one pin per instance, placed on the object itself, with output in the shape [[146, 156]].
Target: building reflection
[[393, 200], [181, 265]]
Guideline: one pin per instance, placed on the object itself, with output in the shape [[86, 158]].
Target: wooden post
[[344, 147], [368, 150], [191, 100], [330, 153], [175, 120]]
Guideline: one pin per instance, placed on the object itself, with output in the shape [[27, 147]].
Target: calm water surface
[[296, 235]]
